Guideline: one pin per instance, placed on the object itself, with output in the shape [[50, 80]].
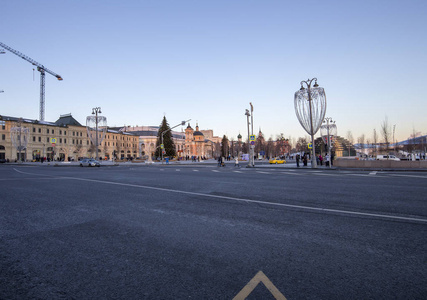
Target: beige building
[[199, 143], [66, 139]]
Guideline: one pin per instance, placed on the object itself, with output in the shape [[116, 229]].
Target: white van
[[387, 157]]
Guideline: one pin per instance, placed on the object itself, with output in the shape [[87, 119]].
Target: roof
[[67, 120], [198, 133]]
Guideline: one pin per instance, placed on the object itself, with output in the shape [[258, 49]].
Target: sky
[[206, 60]]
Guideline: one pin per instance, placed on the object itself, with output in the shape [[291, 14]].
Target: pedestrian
[[297, 159], [304, 160], [321, 159], [219, 161], [236, 162]]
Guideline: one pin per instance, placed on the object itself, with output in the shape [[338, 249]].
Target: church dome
[[198, 133]]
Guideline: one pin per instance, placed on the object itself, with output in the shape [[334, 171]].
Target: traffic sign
[[310, 146], [53, 140], [162, 146], [252, 137], [252, 143]]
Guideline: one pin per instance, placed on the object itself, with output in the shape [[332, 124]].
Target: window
[[60, 141], [47, 130], [40, 139], [65, 132], [74, 134], [34, 129], [73, 141], [53, 131], [60, 132], [47, 140], [3, 137], [34, 138], [65, 141], [40, 130]]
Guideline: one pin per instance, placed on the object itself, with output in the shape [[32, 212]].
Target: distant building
[[71, 141]]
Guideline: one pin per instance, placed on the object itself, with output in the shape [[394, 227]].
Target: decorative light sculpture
[[96, 128], [20, 137], [310, 108], [328, 133]]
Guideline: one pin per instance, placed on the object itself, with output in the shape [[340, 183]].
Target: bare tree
[[350, 140], [386, 132], [375, 140], [361, 141]]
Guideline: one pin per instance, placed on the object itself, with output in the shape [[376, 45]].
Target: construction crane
[[42, 71]]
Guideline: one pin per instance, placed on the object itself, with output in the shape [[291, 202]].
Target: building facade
[[66, 139]]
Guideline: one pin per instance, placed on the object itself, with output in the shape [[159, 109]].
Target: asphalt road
[[187, 232]]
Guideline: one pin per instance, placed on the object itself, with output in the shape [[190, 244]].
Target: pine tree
[[224, 146], [167, 140]]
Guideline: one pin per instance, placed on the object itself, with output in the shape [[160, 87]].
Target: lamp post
[[310, 108], [95, 126], [180, 124], [19, 136], [331, 130], [248, 114], [95, 112]]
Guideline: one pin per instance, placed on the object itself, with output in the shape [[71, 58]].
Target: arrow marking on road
[[252, 284]]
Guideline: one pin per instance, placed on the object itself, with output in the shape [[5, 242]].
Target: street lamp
[[180, 124], [95, 126], [331, 131], [248, 114], [19, 136], [310, 108]]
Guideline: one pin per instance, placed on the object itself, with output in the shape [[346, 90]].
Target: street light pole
[[252, 127], [329, 139], [316, 99], [95, 112], [248, 114]]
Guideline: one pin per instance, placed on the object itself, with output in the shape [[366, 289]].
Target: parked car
[[277, 160], [387, 157], [89, 162]]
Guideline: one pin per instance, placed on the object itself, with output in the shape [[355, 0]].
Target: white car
[[387, 157], [89, 162]]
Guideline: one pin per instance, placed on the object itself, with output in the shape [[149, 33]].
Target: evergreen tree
[[167, 140], [224, 146]]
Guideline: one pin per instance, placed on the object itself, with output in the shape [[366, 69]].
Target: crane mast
[[42, 71]]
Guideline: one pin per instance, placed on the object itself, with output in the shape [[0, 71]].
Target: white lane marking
[[237, 171], [411, 176], [287, 173], [261, 172], [311, 208], [178, 170], [215, 171], [195, 170], [373, 173], [327, 174], [346, 212]]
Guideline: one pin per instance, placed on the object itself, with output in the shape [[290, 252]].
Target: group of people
[[319, 159], [221, 160]]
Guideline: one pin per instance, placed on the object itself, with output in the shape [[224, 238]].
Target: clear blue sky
[[206, 60]]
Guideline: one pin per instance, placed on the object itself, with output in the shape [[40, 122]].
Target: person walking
[[297, 159], [236, 162]]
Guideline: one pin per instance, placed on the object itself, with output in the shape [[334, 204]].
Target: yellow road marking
[[259, 277]]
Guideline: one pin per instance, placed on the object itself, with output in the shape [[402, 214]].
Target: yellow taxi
[[277, 160]]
